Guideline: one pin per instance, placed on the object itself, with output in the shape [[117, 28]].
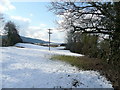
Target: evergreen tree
[[12, 34]]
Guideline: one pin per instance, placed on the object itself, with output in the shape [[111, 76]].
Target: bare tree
[[92, 17], [89, 17]]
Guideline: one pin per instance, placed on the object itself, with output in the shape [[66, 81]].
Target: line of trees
[[93, 28], [98, 18], [10, 35], [88, 44]]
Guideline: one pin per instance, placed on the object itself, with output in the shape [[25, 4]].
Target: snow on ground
[[54, 50], [31, 67]]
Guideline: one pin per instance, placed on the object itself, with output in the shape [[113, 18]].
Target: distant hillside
[[31, 40]]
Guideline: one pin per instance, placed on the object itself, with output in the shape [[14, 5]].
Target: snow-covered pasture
[[31, 67]]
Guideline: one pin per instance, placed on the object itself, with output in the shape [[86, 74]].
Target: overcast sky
[[33, 19]]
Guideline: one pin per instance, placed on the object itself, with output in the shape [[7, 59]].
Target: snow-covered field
[[31, 67]]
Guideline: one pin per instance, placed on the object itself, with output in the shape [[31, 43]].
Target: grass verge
[[86, 63]]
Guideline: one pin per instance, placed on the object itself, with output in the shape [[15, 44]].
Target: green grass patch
[[86, 63], [81, 62]]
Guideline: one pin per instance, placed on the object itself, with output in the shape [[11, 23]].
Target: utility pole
[[49, 37]]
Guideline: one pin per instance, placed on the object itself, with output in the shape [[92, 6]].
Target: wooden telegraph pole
[[49, 37]]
